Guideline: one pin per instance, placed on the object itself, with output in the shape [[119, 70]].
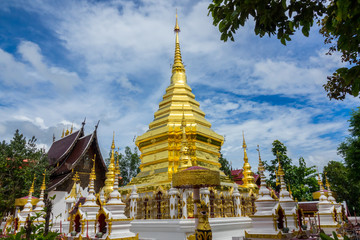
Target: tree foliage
[[129, 162], [225, 166], [20, 161], [344, 177], [339, 20], [301, 179]]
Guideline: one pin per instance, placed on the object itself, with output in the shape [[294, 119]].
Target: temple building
[[73, 153], [161, 202], [70, 157]]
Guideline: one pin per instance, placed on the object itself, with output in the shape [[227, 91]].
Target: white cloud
[[121, 54]]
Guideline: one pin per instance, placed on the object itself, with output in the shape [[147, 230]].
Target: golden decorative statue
[[203, 230]]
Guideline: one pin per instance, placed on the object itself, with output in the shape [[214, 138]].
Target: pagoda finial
[[72, 128], [280, 170], [113, 142], [93, 174], [31, 191], [178, 69], [63, 133], [43, 185], [244, 147], [261, 166], [110, 174], [248, 179]]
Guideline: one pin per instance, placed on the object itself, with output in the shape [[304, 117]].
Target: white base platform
[[179, 229]]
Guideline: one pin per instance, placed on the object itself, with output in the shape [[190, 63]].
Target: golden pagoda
[[110, 174], [179, 135], [248, 179]]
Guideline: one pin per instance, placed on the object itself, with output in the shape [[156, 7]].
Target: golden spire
[[327, 182], [244, 147], [261, 165], [73, 191], [280, 170], [110, 174], [63, 133], [72, 128], [31, 191], [91, 197], [178, 69], [93, 174], [43, 185], [248, 178], [67, 132]]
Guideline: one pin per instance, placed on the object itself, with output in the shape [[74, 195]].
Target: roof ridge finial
[[178, 66]]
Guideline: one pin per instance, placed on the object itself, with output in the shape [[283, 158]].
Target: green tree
[[278, 150], [20, 161], [301, 179], [339, 20], [225, 166], [350, 151], [129, 162]]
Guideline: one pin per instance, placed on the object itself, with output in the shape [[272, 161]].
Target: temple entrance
[[158, 199], [102, 223], [212, 199], [280, 219], [77, 223]]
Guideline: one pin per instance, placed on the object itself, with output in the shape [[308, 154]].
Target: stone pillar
[[174, 194], [196, 197], [205, 193], [133, 202], [184, 204], [236, 199]]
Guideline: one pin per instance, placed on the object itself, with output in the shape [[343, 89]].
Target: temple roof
[[68, 152], [61, 147]]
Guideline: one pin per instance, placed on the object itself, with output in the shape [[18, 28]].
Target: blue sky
[[62, 61]]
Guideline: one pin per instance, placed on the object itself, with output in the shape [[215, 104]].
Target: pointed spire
[[280, 170], [244, 147], [72, 128], [248, 178], [261, 166], [28, 205], [322, 197], [178, 69], [73, 192], [53, 137], [40, 204], [63, 133], [330, 196], [110, 174], [92, 176]]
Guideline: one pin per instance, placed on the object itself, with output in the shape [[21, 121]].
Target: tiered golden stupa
[[248, 179], [179, 127]]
